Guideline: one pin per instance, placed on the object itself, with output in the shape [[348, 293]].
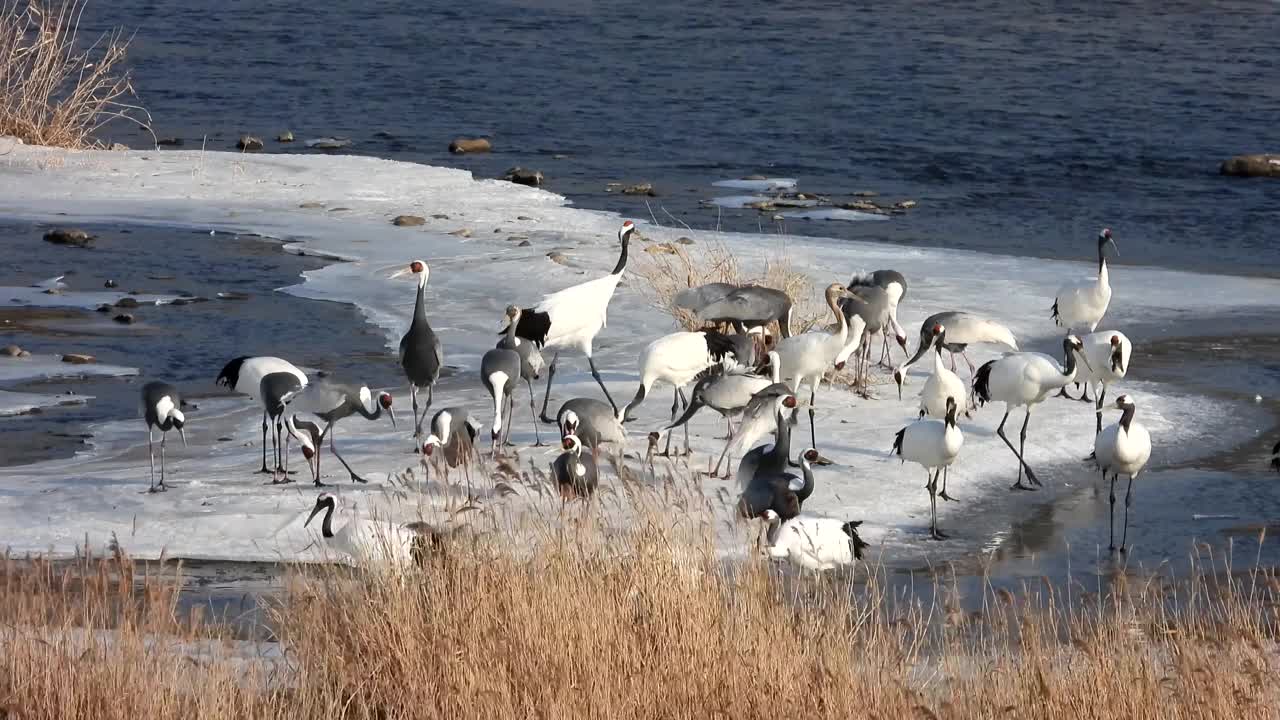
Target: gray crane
[[893, 283], [499, 372], [575, 475], [453, 434], [161, 406], [531, 362], [592, 421], [743, 306], [272, 390], [871, 303], [331, 402], [420, 352]]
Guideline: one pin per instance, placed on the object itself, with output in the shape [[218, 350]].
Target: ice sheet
[[43, 367], [833, 214], [765, 185], [220, 508], [17, 403], [35, 297]]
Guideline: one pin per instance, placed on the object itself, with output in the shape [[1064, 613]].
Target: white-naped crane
[[330, 402], [244, 375], [576, 474], [758, 417], [677, 359], [933, 444], [273, 390], [963, 329], [531, 362], [1108, 353], [1025, 379], [1123, 448], [161, 408], [370, 543], [451, 443], [813, 543], [499, 373], [805, 358], [571, 318], [421, 355], [592, 421], [894, 284], [943, 383], [1081, 304], [747, 307], [726, 392], [872, 304]]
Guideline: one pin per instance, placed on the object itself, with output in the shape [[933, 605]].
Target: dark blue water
[[1021, 127]]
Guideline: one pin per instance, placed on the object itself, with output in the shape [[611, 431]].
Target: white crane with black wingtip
[[421, 355], [161, 405], [1081, 304], [813, 543], [677, 359], [963, 329], [1123, 447], [244, 375], [571, 318], [933, 444], [1025, 379]]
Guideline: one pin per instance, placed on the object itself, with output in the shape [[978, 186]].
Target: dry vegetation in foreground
[[641, 631], [53, 92]]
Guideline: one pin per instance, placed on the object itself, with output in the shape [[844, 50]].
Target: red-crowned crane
[[1122, 448]]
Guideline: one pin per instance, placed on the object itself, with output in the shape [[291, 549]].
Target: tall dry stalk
[[52, 91], [672, 267]]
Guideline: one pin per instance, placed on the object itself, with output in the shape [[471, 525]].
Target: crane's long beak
[[1114, 249], [392, 413], [1084, 359], [314, 511], [400, 273], [182, 433]]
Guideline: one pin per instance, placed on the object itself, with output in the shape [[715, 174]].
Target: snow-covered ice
[[221, 509], [762, 185], [829, 213]]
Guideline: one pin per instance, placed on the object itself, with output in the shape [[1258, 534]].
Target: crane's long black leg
[[163, 436], [334, 448], [675, 413], [1022, 446], [1021, 463], [152, 452], [813, 398], [684, 404], [551, 375], [1128, 500], [319, 445], [1111, 544], [533, 413], [600, 381], [945, 472], [265, 424]]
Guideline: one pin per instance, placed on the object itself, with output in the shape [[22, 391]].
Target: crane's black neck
[[806, 489], [951, 415], [420, 306], [1102, 254], [326, 527], [377, 410], [622, 258], [1069, 363], [1117, 360], [1126, 418]]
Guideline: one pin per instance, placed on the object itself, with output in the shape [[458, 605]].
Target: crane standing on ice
[[571, 318], [420, 352]]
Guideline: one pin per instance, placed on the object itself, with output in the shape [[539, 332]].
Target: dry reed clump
[[675, 268], [647, 630], [52, 91]]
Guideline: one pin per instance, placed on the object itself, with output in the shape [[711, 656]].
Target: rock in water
[[11, 351], [640, 189], [127, 302], [524, 176], [249, 143], [124, 319], [69, 236], [329, 143], [77, 359], [408, 220], [169, 142], [1263, 165], [285, 137], [470, 145]]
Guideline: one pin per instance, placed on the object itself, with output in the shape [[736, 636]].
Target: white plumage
[[1080, 304], [805, 358], [814, 543], [943, 382], [369, 543], [1025, 379], [1122, 448], [934, 444], [1108, 353], [677, 359], [244, 375]]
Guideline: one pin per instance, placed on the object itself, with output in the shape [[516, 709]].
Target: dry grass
[[646, 629], [53, 91], [673, 267]]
